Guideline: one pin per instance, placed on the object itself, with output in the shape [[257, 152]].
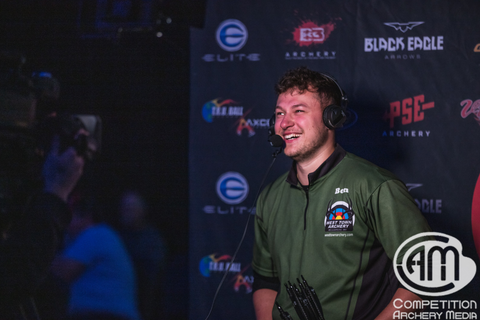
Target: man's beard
[[309, 150]]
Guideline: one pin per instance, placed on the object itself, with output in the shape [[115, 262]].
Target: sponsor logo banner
[[221, 109], [400, 47], [219, 264], [232, 188], [426, 205], [470, 107], [231, 36], [308, 37], [406, 112]]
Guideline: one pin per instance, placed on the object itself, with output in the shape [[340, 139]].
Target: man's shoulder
[[277, 184], [274, 189], [360, 167]]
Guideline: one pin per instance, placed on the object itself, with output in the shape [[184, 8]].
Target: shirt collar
[[334, 159]]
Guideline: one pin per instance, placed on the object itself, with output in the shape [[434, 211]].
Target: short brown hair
[[304, 79]]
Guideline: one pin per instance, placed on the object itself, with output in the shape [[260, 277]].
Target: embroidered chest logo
[[340, 216]]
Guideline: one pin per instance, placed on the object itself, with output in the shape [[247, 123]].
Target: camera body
[[28, 123]]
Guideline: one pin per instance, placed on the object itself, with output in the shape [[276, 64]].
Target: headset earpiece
[[334, 116], [271, 125]]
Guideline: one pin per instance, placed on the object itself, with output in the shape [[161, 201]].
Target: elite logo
[[340, 216], [232, 187], [433, 266], [231, 35]]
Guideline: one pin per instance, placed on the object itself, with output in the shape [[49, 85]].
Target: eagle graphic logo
[[404, 27]]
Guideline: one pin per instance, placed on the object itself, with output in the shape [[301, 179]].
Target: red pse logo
[[409, 109]]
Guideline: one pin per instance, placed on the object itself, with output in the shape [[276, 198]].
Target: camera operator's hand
[[61, 172]]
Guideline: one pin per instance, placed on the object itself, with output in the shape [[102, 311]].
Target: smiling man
[[334, 218]]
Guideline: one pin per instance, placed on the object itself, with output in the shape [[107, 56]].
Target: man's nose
[[286, 122]]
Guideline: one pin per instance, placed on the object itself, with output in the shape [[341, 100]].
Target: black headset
[[333, 116]]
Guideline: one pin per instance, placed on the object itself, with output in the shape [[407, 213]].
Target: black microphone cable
[[275, 143]]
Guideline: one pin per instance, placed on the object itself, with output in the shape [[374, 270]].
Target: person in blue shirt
[[99, 269]]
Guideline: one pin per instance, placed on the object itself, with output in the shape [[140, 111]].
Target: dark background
[[138, 84]]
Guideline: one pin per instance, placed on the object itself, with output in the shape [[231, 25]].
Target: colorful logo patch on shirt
[[339, 217]]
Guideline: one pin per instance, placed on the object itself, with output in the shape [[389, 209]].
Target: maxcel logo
[[231, 35], [232, 188], [309, 34], [433, 265], [403, 48], [409, 110], [470, 107]]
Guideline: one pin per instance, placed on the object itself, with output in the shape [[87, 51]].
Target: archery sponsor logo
[[232, 187], [404, 113], [404, 48], [231, 36], [308, 38], [340, 216], [221, 109], [432, 264], [470, 107], [219, 264], [404, 27], [426, 205]]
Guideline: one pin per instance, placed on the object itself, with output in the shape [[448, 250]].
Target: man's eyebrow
[[294, 106]]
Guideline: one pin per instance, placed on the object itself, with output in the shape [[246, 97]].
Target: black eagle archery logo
[[340, 216], [404, 27]]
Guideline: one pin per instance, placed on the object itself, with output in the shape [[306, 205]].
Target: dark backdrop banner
[[411, 71]]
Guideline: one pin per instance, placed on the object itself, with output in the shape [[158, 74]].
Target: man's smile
[[291, 136]]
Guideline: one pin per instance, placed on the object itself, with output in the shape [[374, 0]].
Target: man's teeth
[[291, 136]]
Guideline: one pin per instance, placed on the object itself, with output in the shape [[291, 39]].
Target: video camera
[[28, 122]]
